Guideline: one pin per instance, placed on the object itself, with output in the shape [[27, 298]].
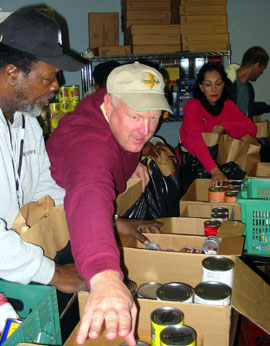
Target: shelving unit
[[172, 58]]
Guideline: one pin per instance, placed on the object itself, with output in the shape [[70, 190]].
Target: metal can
[[234, 188], [221, 210], [230, 196], [132, 286], [216, 194], [64, 107], [211, 227], [148, 290], [226, 183], [11, 325], [218, 268], [212, 293], [153, 245], [211, 245], [236, 182], [63, 94], [73, 105], [161, 318], [186, 249], [175, 291], [54, 107], [138, 343], [6, 311], [74, 92], [219, 216], [178, 336]]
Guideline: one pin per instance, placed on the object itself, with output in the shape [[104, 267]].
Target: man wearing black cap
[[30, 58]]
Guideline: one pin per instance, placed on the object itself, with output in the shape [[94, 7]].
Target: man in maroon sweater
[[93, 152]]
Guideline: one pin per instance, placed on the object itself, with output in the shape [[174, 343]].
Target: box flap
[[232, 246], [251, 295], [231, 229], [126, 199]]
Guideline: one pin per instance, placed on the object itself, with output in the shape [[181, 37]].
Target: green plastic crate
[[37, 304], [254, 199]]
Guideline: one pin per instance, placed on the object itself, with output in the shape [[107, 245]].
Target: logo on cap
[[150, 81], [59, 38]]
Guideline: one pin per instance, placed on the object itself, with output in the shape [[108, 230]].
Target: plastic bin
[[37, 304], [254, 199]]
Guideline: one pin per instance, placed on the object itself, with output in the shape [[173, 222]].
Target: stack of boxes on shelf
[[203, 25]]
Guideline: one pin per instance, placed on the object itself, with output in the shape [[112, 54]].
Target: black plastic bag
[[232, 171], [265, 148], [190, 168], [160, 199]]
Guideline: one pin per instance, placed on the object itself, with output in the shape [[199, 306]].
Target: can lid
[[212, 290], [217, 263], [167, 315], [138, 343], [217, 189], [175, 291], [220, 210], [131, 285], [178, 335], [232, 193], [148, 290], [212, 223]]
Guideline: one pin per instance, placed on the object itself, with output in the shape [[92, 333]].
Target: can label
[[211, 227], [65, 107], [63, 94], [10, 327], [54, 107], [216, 194], [219, 269], [74, 92], [6, 311]]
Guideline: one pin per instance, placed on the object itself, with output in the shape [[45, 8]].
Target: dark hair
[[254, 55], [198, 94], [102, 71], [24, 61]]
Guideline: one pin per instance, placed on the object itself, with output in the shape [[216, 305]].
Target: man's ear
[[11, 74], [108, 104]]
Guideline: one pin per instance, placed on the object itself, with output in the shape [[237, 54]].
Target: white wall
[[248, 25]]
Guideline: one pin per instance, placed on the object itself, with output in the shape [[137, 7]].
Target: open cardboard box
[[213, 324], [195, 202], [260, 170], [126, 199]]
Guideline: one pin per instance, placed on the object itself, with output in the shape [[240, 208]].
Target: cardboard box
[[262, 129], [195, 202], [203, 28], [147, 5], [205, 38], [126, 199], [205, 9], [148, 15], [203, 2], [213, 324], [142, 40], [103, 29], [126, 23], [205, 47], [154, 29], [209, 18], [156, 49], [114, 50], [260, 170]]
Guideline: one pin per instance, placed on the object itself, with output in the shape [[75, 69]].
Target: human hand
[[141, 172], [167, 150], [67, 279], [217, 177], [109, 302], [218, 129], [154, 151], [134, 227]]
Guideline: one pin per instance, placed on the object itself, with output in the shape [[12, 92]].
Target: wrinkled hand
[[218, 129], [154, 150], [135, 227], [141, 172], [67, 279], [217, 177], [109, 302]]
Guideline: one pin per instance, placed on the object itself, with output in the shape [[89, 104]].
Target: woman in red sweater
[[211, 110]]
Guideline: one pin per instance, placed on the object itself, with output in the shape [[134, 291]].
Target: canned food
[[161, 318], [236, 182], [175, 291], [64, 107], [211, 227], [234, 188], [212, 293], [226, 183], [186, 249], [54, 107], [211, 245], [196, 250], [221, 210], [11, 325], [218, 268], [216, 194], [148, 290], [63, 94], [73, 105], [6, 311], [74, 92], [132, 286], [153, 245], [230, 196], [138, 343], [178, 336], [219, 216]]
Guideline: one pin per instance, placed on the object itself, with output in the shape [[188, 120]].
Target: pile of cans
[[226, 193]]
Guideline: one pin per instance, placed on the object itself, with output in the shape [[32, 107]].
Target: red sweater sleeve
[[191, 134], [238, 124]]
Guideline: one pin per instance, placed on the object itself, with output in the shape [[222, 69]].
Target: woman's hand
[[218, 129], [217, 177]]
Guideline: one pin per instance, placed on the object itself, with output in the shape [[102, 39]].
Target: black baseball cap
[[32, 31]]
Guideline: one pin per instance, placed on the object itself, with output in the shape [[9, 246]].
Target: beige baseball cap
[[140, 86]]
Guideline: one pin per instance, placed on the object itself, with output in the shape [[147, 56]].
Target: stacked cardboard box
[[204, 25]]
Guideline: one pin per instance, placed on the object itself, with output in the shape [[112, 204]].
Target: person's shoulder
[[193, 102]]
